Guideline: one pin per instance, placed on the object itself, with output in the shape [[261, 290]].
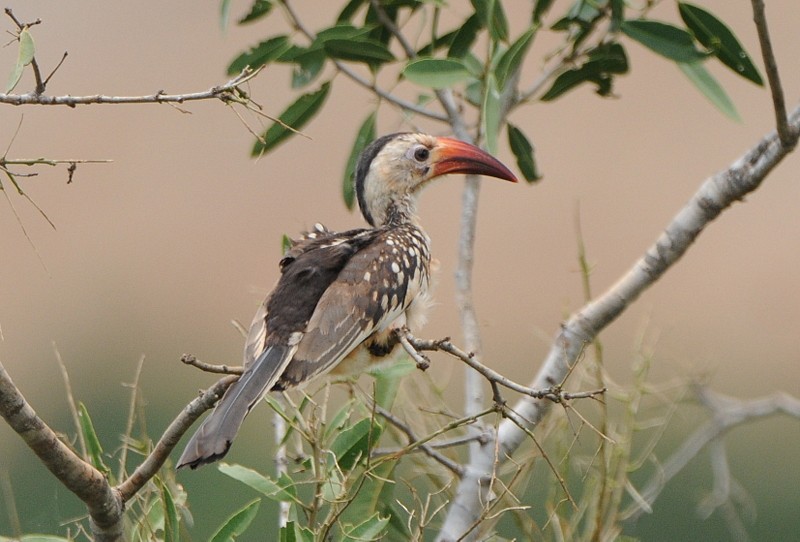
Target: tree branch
[[87, 483], [726, 413], [779, 104], [714, 196], [227, 92]]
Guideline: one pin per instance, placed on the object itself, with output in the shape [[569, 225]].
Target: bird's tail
[[213, 438]]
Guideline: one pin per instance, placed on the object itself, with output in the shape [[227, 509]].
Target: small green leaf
[[224, 13], [346, 15], [370, 529], [720, 40], [665, 39], [25, 55], [237, 523], [710, 88], [465, 37], [603, 62], [523, 151], [93, 447], [286, 244], [292, 532], [263, 53], [388, 379], [259, 482], [513, 57], [259, 9], [436, 72], [169, 511], [353, 443], [490, 113], [307, 67], [366, 133], [492, 17], [296, 116], [361, 50]]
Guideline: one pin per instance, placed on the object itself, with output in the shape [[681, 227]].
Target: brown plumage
[[341, 295]]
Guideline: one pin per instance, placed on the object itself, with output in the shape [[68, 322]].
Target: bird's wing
[[367, 296], [307, 271]]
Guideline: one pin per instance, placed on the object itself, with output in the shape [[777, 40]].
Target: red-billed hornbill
[[341, 296]]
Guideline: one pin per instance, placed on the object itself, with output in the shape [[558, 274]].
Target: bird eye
[[421, 154]]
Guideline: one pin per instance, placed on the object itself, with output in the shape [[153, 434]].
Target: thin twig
[[225, 92], [788, 139], [190, 359], [445, 461]]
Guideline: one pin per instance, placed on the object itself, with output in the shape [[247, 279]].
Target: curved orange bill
[[455, 156]]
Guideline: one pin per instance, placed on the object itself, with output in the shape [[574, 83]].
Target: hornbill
[[342, 296]]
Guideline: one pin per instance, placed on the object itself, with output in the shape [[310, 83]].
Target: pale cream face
[[398, 171]]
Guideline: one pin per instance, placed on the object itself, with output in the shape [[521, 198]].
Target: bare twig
[[787, 138], [190, 359], [226, 92], [553, 393], [428, 449]]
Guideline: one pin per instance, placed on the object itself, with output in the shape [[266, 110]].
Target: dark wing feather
[[366, 297], [213, 438]]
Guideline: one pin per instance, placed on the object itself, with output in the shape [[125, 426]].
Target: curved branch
[[715, 195], [87, 483], [155, 460]]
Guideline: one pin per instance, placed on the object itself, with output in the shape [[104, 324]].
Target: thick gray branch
[[86, 482], [715, 195]]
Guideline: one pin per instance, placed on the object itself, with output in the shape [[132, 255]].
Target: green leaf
[[523, 151], [169, 511], [296, 116], [224, 13], [263, 53], [512, 58], [259, 9], [353, 443], [259, 482], [307, 67], [603, 62], [237, 523], [493, 17], [292, 532], [388, 379], [490, 113], [350, 9], [93, 447], [286, 244], [370, 529], [375, 495], [710, 88], [465, 37], [366, 133], [665, 39], [720, 40], [25, 55], [436, 72], [361, 50]]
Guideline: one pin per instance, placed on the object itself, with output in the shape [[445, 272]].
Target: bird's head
[[394, 167]]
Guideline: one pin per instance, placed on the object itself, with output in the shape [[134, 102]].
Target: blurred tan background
[[156, 252]]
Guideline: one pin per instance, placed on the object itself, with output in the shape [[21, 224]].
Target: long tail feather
[[213, 438]]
